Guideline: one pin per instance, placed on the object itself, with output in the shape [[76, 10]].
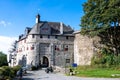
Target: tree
[[102, 16], [99, 15], [3, 59], [13, 47]]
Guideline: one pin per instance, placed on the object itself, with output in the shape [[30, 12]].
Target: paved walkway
[[41, 75]]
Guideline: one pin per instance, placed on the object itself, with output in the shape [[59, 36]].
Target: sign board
[[74, 65]]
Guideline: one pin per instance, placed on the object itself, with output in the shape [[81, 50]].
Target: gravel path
[[41, 75]]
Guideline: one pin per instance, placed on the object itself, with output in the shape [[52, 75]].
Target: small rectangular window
[[66, 37], [55, 48], [33, 36], [56, 37], [48, 36], [66, 48], [32, 47], [41, 36], [27, 48]]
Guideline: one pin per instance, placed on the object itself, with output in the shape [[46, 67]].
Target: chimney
[[38, 18], [61, 28]]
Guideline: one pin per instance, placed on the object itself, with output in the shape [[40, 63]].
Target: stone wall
[[84, 48]]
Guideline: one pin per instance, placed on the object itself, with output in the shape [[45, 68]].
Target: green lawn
[[98, 72]]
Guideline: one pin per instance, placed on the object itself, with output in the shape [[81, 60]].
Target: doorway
[[45, 62]]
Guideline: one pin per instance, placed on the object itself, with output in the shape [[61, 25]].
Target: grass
[[97, 72]]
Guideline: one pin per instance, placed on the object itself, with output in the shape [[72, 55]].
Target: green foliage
[[3, 59], [99, 15], [101, 18], [15, 69], [92, 71], [105, 59], [7, 72]]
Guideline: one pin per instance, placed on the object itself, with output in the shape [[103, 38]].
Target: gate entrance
[[45, 62]]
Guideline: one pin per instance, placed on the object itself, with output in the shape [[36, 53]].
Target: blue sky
[[15, 15]]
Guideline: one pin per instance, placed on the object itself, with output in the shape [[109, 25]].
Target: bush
[[7, 72], [15, 69], [105, 59]]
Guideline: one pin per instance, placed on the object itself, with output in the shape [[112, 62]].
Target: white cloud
[[4, 23], [5, 43]]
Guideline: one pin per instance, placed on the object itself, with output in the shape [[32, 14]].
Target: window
[[66, 37], [41, 36], [20, 49], [27, 48], [55, 47], [66, 48], [48, 36], [32, 47], [56, 36], [33, 36]]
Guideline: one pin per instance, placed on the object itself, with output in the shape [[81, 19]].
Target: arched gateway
[[44, 62]]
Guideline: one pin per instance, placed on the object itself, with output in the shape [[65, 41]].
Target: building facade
[[45, 44]]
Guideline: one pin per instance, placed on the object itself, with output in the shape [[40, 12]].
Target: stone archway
[[45, 62]]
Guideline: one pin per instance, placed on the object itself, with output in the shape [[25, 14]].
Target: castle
[[52, 44], [45, 44]]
